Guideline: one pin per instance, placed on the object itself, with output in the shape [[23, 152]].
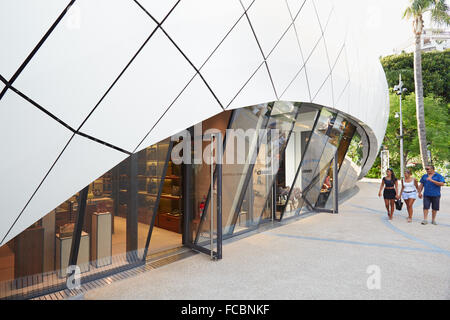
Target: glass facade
[[277, 163], [258, 201], [298, 163], [241, 151], [200, 184]]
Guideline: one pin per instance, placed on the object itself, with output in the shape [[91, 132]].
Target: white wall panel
[[270, 19], [77, 64], [340, 77], [192, 26], [342, 99], [384, 112], [298, 90], [323, 9], [258, 90], [295, 6], [317, 68], [30, 143], [158, 9], [67, 177], [142, 94], [352, 51], [366, 89], [23, 23], [283, 67], [195, 104], [247, 3], [334, 35], [233, 63], [308, 28], [356, 101], [325, 95]]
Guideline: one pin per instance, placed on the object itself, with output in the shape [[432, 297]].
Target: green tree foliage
[[435, 67], [438, 131]]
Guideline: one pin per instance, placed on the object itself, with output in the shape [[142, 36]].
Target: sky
[[378, 24]]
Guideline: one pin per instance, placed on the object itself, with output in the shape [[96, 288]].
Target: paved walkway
[[324, 256]]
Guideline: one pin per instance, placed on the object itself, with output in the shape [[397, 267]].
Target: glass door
[[208, 238], [298, 164]]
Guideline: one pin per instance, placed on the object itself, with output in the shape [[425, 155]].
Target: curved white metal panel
[[194, 28], [30, 143], [21, 29], [69, 175], [139, 98], [269, 18], [159, 9], [233, 63], [284, 67], [258, 90], [75, 66], [153, 89], [195, 104]]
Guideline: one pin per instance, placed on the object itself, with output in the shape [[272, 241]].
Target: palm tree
[[439, 12]]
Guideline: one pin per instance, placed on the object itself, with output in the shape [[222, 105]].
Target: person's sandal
[[409, 220], [434, 222], [424, 222]]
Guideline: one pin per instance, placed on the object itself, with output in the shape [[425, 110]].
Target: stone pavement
[[323, 256]]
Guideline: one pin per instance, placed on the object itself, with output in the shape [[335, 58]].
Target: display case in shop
[[100, 201], [63, 245], [122, 172], [150, 168], [150, 164], [101, 204], [170, 206], [101, 239]]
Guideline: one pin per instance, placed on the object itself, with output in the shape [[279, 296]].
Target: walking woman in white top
[[409, 192]]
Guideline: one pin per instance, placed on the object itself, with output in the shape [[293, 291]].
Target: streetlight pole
[[399, 91]]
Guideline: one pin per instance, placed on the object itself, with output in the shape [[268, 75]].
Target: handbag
[[152, 170], [66, 230], [398, 204], [149, 202], [176, 191], [152, 187]]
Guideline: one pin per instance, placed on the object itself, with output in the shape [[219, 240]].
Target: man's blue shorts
[[433, 201]]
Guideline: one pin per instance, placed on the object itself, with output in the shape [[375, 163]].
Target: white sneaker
[[434, 222], [424, 222]]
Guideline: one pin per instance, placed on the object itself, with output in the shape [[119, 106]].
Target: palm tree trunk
[[420, 111]]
